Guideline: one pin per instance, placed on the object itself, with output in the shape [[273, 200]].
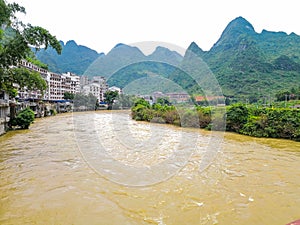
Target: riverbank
[[45, 179], [240, 118]]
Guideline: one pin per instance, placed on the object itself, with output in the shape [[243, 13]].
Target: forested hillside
[[247, 64]]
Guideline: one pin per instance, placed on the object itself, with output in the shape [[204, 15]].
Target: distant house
[[156, 95], [219, 100], [174, 97], [178, 97]]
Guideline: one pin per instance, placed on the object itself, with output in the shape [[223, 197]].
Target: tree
[[141, 110], [24, 78], [141, 101], [110, 97], [236, 117], [23, 119], [124, 101], [68, 96], [85, 102], [163, 101], [16, 41], [283, 95]]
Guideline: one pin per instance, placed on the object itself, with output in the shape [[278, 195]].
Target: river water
[[104, 168]]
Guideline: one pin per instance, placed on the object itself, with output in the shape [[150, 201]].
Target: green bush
[[204, 114], [24, 118], [272, 122], [53, 112], [240, 118], [236, 118], [189, 118], [171, 116]]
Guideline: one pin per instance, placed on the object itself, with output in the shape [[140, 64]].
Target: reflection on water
[[45, 178]]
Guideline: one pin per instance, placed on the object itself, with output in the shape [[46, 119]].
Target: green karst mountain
[[250, 64], [162, 54], [74, 58], [121, 55], [126, 65], [245, 63]]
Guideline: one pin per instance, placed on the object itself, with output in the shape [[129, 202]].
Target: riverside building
[[57, 84]]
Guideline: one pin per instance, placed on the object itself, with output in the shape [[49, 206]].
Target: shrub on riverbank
[[273, 122], [181, 116], [23, 119], [240, 118]]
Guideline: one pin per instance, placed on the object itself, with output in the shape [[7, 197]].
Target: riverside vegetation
[[24, 118], [245, 119]]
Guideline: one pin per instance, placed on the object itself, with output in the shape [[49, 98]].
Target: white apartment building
[[97, 87], [57, 84], [93, 89], [84, 80]]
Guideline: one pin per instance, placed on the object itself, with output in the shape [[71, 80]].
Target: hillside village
[[52, 100]]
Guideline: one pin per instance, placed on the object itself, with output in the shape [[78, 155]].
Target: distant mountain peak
[[238, 25], [120, 50], [71, 42], [293, 34], [194, 48], [124, 47], [234, 32], [119, 45], [162, 50], [193, 44], [166, 55], [241, 22], [74, 58]]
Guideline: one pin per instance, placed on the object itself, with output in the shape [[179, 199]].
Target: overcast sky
[[101, 24]]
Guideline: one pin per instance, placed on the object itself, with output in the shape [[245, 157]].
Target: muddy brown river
[[104, 168]]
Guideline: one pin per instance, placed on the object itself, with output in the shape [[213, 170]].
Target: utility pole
[[285, 101]]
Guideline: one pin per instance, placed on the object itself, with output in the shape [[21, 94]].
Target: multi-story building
[[84, 80], [103, 86], [57, 84], [97, 87]]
